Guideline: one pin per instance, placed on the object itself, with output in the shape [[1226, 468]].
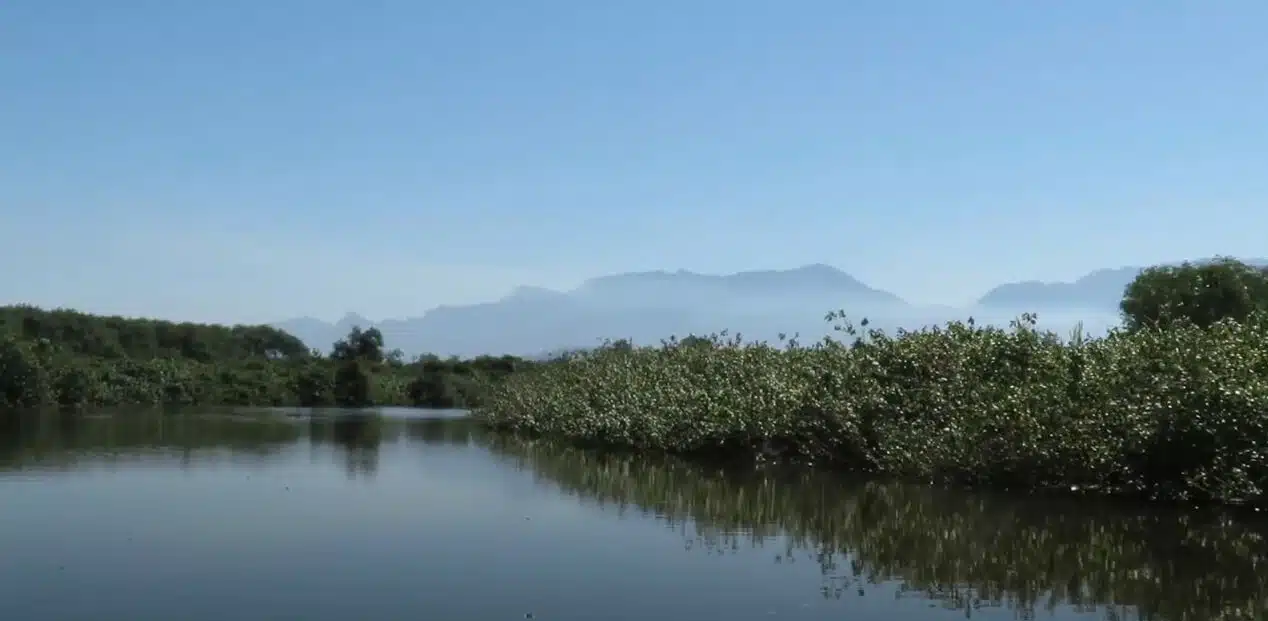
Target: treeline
[[1173, 404], [74, 359], [114, 337]]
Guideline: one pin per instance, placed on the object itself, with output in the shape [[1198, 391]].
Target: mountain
[[646, 307], [319, 334], [1101, 289], [688, 289]]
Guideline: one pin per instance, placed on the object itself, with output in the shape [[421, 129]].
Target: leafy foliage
[[360, 344], [1199, 293], [1163, 409]]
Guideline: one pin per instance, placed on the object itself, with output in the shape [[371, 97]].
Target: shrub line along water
[[1174, 405]]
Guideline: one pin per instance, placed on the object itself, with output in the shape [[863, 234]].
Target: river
[[406, 514]]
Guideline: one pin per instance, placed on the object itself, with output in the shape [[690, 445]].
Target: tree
[[696, 341], [396, 357], [434, 390], [366, 345], [353, 385], [315, 386], [1201, 293], [24, 378], [621, 345]]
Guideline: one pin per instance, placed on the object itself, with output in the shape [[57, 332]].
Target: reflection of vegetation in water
[[965, 550], [442, 431], [358, 435], [65, 437], [62, 438]]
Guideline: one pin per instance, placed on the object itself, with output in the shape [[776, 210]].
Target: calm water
[[250, 515]]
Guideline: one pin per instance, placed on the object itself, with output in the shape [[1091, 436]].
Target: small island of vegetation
[[1172, 405]]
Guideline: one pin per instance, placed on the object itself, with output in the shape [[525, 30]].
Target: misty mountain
[[646, 307], [1099, 290], [643, 307]]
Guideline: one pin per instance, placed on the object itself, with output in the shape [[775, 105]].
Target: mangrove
[[1172, 405]]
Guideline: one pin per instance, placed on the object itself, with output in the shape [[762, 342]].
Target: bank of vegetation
[[72, 359], [1174, 404]]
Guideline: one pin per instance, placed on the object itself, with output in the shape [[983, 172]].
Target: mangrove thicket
[[1173, 404]]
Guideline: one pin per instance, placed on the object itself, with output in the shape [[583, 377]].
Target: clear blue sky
[[247, 160]]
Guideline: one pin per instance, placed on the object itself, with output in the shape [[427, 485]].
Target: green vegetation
[[1198, 294], [68, 358], [968, 552], [1174, 405]]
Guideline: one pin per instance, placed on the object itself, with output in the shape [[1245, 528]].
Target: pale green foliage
[[1176, 413]]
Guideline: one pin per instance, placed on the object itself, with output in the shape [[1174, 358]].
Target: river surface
[[406, 514]]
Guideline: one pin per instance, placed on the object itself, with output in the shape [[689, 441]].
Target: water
[[274, 514]]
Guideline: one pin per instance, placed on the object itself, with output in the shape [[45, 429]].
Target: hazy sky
[[256, 159]]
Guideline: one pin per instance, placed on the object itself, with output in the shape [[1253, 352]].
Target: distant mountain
[[1099, 290], [646, 307], [320, 334], [689, 289]]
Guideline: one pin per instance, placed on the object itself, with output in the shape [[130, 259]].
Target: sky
[[251, 161]]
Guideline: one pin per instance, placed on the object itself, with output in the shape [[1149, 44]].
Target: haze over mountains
[[648, 306]]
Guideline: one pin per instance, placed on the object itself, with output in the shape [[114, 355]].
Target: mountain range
[[646, 307]]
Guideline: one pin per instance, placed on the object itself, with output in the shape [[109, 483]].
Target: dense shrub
[[1180, 412]]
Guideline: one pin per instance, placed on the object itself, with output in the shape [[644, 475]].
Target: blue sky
[[248, 160]]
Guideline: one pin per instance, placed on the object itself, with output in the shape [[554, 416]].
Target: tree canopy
[[1199, 293], [360, 344]]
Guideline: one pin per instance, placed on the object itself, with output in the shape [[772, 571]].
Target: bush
[[1178, 413]]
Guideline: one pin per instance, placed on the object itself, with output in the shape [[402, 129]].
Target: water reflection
[[972, 554], [965, 551], [438, 432], [356, 435], [61, 440]]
